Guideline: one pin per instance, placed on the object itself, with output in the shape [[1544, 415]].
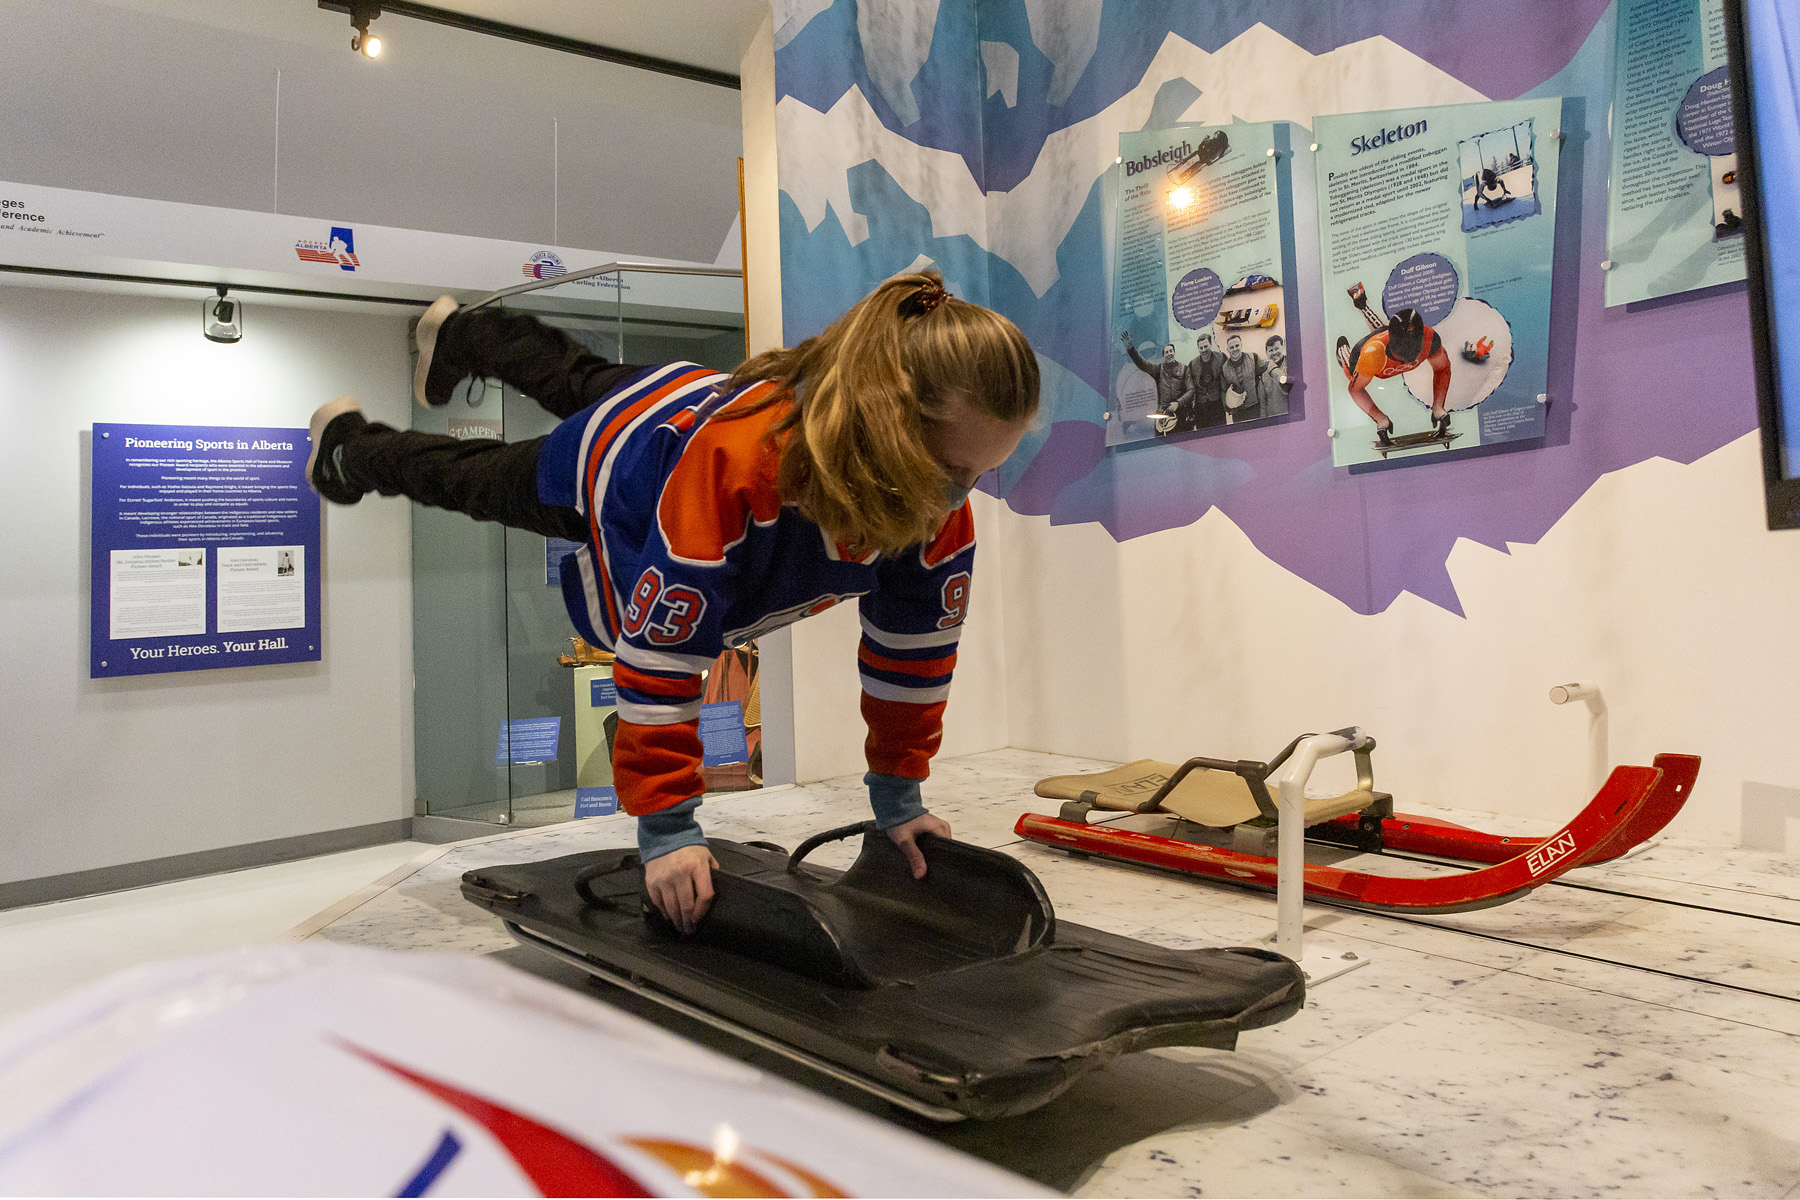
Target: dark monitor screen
[[1765, 65]]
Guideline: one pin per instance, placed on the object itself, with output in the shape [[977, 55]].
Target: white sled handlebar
[[1289, 785]]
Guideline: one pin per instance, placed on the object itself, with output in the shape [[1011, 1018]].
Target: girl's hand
[[904, 836], [680, 883]]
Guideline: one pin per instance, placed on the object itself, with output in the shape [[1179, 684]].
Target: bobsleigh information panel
[[205, 549]]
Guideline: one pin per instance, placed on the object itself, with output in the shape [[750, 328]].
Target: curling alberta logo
[[544, 265], [338, 249]]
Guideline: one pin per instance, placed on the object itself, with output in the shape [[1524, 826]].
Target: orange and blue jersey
[[690, 550], [1373, 359]]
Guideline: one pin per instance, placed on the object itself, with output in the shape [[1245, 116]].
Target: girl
[[713, 509]]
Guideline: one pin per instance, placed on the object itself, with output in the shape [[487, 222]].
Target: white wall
[[95, 773], [828, 724], [1661, 584], [448, 131]]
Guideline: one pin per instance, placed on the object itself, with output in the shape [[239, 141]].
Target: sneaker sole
[[324, 415], [425, 336]]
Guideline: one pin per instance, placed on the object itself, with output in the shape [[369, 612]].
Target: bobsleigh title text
[[1173, 154]]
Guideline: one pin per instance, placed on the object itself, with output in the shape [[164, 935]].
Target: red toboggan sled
[[1225, 822]]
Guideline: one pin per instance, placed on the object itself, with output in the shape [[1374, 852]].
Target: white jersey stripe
[[598, 421], [881, 689], [590, 591], [658, 714], [662, 660], [912, 641]]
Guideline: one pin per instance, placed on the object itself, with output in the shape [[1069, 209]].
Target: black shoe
[[1443, 425], [331, 424], [1385, 436], [432, 386], [1343, 353]]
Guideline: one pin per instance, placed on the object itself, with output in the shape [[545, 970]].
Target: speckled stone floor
[[1638, 1039]]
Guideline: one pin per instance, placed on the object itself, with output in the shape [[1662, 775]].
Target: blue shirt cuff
[[894, 799], [669, 829]]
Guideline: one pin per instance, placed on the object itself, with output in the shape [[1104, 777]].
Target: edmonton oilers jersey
[[691, 550]]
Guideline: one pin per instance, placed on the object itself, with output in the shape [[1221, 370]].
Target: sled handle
[[830, 835], [1290, 836]]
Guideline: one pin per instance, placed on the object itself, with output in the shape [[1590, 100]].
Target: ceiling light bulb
[[1181, 197], [371, 45]]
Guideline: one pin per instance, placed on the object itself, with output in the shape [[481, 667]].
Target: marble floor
[[1636, 1035], [48, 950]]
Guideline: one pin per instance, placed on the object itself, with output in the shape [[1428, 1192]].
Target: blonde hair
[[853, 456]]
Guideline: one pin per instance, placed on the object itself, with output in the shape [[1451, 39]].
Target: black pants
[[488, 480]]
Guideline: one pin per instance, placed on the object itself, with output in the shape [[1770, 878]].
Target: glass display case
[[512, 715]]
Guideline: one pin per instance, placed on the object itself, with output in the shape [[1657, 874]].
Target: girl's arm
[[911, 624]]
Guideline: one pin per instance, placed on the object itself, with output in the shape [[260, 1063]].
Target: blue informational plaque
[[722, 734], [602, 693], [527, 740], [555, 550], [205, 549], [596, 801]]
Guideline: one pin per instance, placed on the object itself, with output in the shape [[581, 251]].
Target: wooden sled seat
[[1210, 796]]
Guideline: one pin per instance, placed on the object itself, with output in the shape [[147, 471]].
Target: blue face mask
[[956, 493]]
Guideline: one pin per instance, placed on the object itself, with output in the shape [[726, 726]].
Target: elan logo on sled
[[1550, 853]]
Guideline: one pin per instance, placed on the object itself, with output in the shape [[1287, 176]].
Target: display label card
[[596, 802], [555, 550], [722, 737], [602, 693], [1449, 212], [1200, 314], [204, 549], [1674, 216], [527, 740]]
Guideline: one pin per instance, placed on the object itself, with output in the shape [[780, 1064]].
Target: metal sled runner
[[1229, 803], [957, 995]]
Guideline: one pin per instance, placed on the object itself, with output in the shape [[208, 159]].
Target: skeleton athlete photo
[[1400, 347]]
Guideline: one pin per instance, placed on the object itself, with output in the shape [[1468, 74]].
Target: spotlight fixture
[[365, 43], [222, 318]]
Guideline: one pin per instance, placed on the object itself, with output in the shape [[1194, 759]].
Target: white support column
[[1290, 836], [1599, 735]]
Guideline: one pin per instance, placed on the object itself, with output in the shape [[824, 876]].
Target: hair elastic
[[928, 297]]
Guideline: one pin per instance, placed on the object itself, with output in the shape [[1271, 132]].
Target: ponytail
[[853, 456]]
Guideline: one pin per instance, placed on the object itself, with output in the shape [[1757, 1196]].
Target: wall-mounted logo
[[339, 249], [544, 265]]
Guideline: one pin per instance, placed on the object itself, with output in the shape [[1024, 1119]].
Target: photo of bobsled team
[[1235, 373], [1499, 176]]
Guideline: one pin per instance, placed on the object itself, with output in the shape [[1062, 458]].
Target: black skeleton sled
[[957, 995]]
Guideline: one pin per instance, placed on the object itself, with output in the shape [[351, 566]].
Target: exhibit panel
[[1675, 218], [1199, 257], [1437, 230]]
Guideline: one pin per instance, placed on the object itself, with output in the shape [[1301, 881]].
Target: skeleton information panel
[[1436, 232]]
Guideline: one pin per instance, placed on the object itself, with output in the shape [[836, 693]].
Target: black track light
[[222, 318]]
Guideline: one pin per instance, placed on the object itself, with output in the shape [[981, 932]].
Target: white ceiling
[[702, 33]]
